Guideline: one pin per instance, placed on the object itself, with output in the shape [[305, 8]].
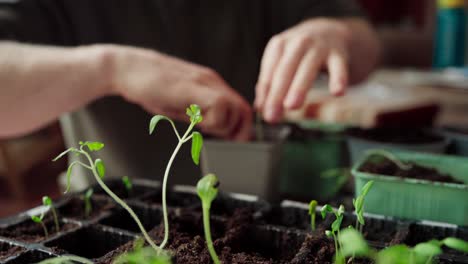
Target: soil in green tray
[[389, 168]]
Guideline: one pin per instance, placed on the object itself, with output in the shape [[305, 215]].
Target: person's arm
[[346, 47], [39, 83]]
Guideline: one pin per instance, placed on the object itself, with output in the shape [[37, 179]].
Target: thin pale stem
[[88, 207], [45, 230], [164, 186], [336, 245], [209, 241], [400, 164], [54, 213], [122, 203], [175, 129]]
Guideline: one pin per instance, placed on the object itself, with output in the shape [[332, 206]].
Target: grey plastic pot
[[251, 168], [359, 146]]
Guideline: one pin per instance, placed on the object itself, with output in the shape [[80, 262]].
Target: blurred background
[[410, 87]]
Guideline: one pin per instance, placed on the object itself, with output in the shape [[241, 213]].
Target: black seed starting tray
[[244, 228]]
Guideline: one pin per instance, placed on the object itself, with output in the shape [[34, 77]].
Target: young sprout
[[195, 116], [207, 190], [127, 184], [88, 206], [48, 203], [390, 156], [353, 244], [39, 220], [358, 204], [66, 260], [312, 207], [141, 254], [98, 169], [335, 227]]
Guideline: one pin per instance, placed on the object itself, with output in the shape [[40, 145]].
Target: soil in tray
[[7, 250], [396, 135], [389, 168], [31, 232], [75, 207], [237, 240]]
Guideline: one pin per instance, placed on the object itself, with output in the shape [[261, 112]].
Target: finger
[[282, 79], [243, 129], [305, 75], [338, 72], [271, 56]]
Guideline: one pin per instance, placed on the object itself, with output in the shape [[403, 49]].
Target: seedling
[[39, 220], [335, 227], [141, 254], [88, 206], [388, 155], [207, 190], [354, 244], [48, 204], [98, 169], [66, 260], [127, 184], [195, 116], [358, 204], [312, 207]]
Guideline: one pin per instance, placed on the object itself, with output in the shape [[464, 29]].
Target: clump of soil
[[31, 232], [396, 135], [389, 168], [7, 250], [75, 207]]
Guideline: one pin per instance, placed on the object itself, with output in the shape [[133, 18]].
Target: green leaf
[[361, 219], [328, 233], [100, 168], [353, 244], [336, 225], [36, 218], [326, 209], [92, 145], [427, 249], [207, 188], [155, 120], [46, 201], [197, 144], [127, 183], [366, 188], [456, 244], [69, 172], [398, 254], [341, 210], [312, 207], [194, 112]]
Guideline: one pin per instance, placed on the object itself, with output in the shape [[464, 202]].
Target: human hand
[[293, 59], [162, 84]]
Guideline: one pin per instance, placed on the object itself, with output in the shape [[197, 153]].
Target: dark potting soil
[[389, 168], [31, 232], [236, 240], [7, 250], [75, 207], [396, 135]]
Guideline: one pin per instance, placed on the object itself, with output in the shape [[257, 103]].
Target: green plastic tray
[[419, 199]]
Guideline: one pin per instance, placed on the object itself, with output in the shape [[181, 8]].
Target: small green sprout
[[312, 207], [98, 169], [390, 156], [48, 203], [88, 205], [358, 204], [353, 244], [335, 227], [141, 254], [127, 184], [194, 113], [66, 260], [207, 190], [39, 220]]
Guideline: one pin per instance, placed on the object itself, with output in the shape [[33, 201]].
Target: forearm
[[39, 83]]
